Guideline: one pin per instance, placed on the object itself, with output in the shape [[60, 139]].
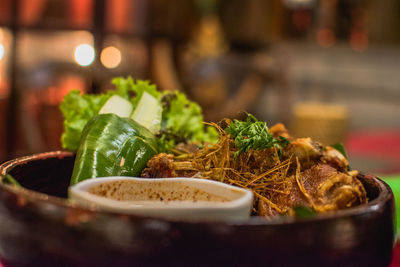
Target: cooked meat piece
[[331, 189], [163, 166], [160, 166], [307, 151], [334, 158], [280, 130], [281, 203], [321, 188]]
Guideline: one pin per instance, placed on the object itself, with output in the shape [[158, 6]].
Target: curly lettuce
[[182, 119], [133, 90], [77, 109]]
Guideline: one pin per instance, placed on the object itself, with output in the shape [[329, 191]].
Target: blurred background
[[329, 69]]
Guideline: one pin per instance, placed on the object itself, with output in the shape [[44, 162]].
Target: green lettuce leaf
[[340, 147], [133, 91], [78, 108], [182, 120]]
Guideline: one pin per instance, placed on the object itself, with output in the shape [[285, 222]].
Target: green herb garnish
[[182, 121], [303, 212], [253, 134], [340, 147]]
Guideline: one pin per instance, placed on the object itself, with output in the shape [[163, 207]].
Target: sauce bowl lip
[[246, 197], [385, 195]]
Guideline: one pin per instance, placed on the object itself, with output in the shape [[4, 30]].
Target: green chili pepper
[[112, 146]]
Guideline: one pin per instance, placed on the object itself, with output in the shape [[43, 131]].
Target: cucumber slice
[[118, 106], [148, 113]]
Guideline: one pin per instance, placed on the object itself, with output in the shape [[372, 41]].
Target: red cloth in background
[[396, 256], [382, 145], [375, 143]]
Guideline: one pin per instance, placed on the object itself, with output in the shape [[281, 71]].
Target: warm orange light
[[110, 57], [358, 41], [326, 38]]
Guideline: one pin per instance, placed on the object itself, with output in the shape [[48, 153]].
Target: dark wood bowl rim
[[385, 194]]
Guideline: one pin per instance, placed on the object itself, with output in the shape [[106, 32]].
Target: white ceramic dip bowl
[[172, 198]]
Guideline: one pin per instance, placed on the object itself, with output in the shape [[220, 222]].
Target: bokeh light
[[84, 54], [2, 50], [110, 57]]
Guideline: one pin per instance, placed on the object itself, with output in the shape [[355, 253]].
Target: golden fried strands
[[257, 170], [300, 175]]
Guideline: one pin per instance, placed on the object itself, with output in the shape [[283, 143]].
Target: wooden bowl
[[38, 226]]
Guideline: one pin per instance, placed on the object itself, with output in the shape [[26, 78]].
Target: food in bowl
[[286, 176], [160, 135], [41, 226], [53, 230]]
